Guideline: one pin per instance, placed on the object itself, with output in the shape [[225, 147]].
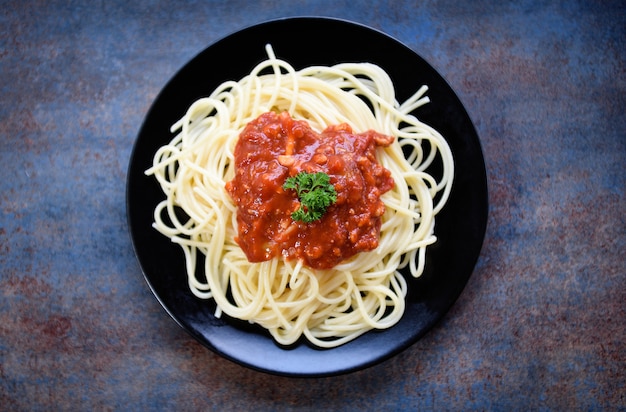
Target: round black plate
[[460, 227]]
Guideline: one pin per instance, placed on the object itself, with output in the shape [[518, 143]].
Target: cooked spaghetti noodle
[[328, 307]]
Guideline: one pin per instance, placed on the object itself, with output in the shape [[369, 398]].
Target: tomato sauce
[[275, 146]]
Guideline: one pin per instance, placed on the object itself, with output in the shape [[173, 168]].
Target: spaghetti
[[328, 307]]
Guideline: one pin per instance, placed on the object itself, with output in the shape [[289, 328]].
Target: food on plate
[[297, 196]]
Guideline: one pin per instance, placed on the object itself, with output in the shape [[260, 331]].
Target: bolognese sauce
[[274, 147]]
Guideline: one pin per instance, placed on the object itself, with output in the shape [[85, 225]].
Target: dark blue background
[[541, 323]]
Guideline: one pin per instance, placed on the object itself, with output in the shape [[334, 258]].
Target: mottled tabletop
[[541, 324]]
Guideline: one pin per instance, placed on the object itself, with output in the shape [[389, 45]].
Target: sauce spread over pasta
[[274, 147]]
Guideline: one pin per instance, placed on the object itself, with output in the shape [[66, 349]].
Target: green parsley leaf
[[315, 193]]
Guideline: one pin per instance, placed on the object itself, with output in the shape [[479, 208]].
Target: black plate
[[460, 227]]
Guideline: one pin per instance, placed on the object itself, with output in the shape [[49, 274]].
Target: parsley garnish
[[315, 193]]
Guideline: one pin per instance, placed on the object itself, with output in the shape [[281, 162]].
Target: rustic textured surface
[[541, 324]]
